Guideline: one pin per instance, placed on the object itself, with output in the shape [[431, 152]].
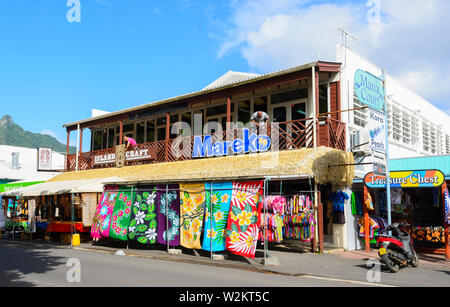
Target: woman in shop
[[130, 142]]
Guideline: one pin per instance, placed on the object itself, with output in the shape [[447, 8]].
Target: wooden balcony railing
[[287, 136]]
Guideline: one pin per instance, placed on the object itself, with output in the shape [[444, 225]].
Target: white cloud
[[410, 41]]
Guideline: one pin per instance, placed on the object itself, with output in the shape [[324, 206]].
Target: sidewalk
[[335, 264]]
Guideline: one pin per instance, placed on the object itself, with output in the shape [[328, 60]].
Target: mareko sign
[[248, 144], [369, 90], [407, 179]]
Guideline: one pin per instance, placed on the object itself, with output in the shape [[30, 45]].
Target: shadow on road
[[17, 260]]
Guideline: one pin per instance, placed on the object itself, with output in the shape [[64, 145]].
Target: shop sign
[[104, 159], [131, 155], [447, 207], [377, 132], [203, 147], [369, 90], [44, 159], [407, 179], [139, 154], [379, 165]]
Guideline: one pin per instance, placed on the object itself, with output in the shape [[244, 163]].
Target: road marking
[[349, 281]]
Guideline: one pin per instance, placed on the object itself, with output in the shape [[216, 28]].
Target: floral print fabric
[[102, 217], [218, 195], [243, 220], [192, 210], [143, 221], [121, 215], [168, 198]]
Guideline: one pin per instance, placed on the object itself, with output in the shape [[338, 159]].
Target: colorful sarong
[[192, 211], [143, 219], [102, 217], [216, 223], [173, 215], [121, 215], [244, 218]]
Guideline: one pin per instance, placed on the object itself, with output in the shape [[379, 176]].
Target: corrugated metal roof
[[202, 92]]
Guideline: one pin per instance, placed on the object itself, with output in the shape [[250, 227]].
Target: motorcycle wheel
[[415, 262], [393, 266]]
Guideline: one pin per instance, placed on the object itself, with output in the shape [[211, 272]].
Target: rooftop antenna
[[345, 36]]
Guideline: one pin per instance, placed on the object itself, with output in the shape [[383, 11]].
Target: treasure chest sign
[[122, 156], [407, 179]]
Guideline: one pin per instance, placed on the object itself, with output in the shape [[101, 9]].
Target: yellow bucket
[[76, 239]]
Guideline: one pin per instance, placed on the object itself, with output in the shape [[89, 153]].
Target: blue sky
[[129, 52]]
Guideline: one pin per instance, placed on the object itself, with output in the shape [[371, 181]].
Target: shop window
[[161, 121], [186, 118], [128, 128], [289, 96]]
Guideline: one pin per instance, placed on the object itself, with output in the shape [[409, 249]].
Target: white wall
[[28, 164], [399, 96]]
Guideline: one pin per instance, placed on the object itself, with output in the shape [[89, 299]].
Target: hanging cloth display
[[102, 217], [120, 219], [243, 220], [143, 220], [446, 204], [339, 198], [168, 198], [192, 212], [216, 220]]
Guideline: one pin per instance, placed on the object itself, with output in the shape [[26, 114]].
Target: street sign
[[379, 165]]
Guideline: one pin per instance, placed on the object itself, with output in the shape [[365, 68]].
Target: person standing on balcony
[[130, 142], [260, 120]]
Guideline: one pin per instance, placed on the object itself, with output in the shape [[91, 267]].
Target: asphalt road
[[43, 266]]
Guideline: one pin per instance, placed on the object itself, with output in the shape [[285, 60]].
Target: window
[[430, 136], [402, 124], [323, 99], [260, 104], [150, 130], [290, 96], [244, 111], [98, 140], [359, 116], [447, 144], [140, 133]]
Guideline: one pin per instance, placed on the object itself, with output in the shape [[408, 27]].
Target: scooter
[[397, 251]]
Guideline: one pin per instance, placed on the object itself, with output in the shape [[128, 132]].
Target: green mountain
[[14, 135]]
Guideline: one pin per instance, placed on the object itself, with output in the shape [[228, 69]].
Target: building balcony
[[289, 135]]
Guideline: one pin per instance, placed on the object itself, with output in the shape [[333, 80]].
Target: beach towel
[[244, 218], [171, 201], [143, 220], [192, 210], [217, 218], [102, 217], [121, 215]]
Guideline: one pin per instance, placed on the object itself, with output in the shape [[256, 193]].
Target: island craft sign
[[130, 155]]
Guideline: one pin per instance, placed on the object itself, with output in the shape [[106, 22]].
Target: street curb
[[204, 262]]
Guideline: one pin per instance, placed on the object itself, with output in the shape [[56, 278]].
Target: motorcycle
[[397, 250]]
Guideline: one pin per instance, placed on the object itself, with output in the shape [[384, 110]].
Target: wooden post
[[320, 223], [228, 137], [317, 101], [67, 150], [366, 220], [81, 141], [121, 133], [167, 136]]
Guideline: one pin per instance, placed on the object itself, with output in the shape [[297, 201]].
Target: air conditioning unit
[[360, 143]]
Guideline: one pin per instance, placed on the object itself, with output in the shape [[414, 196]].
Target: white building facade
[[416, 128]]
